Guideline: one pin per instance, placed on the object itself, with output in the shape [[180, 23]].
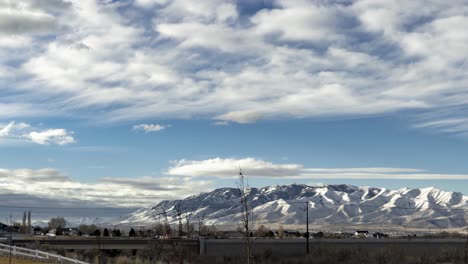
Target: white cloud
[[207, 11], [362, 170], [23, 131], [14, 41], [57, 189], [55, 136], [184, 59], [228, 168], [219, 167], [300, 21], [12, 127], [389, 176], [149, 3], [150, 127], [452, 126], [450, 121]]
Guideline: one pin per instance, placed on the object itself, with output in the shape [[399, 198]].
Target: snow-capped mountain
[[328, 205]]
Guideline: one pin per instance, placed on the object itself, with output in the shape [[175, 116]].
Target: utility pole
[[465, 258], [99, 249], [11, 237], [307, 227]]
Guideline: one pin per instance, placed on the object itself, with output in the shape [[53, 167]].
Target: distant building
[[63, 232], [52, 232], [361, 234], [70, 231]]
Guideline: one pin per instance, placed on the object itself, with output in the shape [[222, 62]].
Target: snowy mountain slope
[[328, 205]]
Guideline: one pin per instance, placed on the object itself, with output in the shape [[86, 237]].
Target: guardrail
[[31, 253]]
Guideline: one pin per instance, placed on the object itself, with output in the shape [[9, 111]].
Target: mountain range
[[328, 205]]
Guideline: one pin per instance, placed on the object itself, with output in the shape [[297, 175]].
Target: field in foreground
[[5, 260]]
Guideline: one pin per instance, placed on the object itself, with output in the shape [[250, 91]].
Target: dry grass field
[[5, 260]]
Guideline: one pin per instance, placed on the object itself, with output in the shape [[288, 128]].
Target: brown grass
[[5, 260]]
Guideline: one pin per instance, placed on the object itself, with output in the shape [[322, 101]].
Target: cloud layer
[[59, 190], [229, 168], [233, 61], [50, 187], [219, 167]]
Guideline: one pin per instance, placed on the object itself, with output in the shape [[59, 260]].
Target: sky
[[127, 103]]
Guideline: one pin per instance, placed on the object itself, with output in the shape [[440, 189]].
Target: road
[[224, 247]]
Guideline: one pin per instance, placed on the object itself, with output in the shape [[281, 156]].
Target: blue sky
[[125, 103]]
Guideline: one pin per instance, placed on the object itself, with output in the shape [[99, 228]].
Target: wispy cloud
[[150, 127], [23, 132], [455, 126], [228, 168]]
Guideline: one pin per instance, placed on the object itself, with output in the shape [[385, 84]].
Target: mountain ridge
[[331, 204]]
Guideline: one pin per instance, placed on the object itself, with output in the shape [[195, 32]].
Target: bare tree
[[23, 226], [29, 222], [200, 220], [57, 222], [162, 224], [246, 213], [177, 254]]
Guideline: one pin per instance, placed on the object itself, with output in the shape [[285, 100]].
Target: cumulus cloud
[[150, 127], [55, 136], [220, 60], [228, 168], [51, 187], [25, 132]]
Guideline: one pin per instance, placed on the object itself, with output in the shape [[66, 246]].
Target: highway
[[223, 247]]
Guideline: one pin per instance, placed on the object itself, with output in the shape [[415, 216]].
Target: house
[[63, 232], [70, 231], [361, 234], [52, 232]]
